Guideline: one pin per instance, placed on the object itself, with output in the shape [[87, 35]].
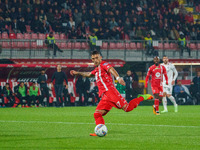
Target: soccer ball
[[101, 130]]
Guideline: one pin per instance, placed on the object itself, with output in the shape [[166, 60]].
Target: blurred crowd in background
[[109, 19]]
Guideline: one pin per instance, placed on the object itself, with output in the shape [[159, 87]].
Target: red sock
[[98, 118], [156, 103], [133, 104]]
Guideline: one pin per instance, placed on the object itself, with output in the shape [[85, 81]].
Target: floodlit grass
[[69, 128]]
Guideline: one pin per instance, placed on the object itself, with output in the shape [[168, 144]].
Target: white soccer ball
[[101, 130]]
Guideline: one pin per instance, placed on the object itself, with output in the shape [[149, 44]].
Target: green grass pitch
[[69, 128]]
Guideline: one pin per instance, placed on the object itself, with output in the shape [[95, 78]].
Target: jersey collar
[[157, 66]]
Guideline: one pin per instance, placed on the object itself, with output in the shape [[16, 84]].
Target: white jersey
[[171, 73]]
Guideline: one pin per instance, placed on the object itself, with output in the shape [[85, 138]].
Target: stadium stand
[[144, 14], [131, 18]]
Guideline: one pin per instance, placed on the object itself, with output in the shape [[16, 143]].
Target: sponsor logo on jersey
[[105, 64], [158, 74]]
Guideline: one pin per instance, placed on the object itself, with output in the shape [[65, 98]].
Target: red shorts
[[111, 98], [157, 90]]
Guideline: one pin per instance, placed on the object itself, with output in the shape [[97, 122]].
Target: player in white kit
[[167, 89]]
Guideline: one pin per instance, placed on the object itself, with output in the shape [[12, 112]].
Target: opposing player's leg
[[168, 93], [172, 99], [164, 100]]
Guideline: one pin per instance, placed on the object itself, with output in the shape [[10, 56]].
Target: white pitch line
[[121, 124]]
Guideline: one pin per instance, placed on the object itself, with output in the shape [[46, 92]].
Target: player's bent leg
[[132, 104], [164, 100], [135, 102]]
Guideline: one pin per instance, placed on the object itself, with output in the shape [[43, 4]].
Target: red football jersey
[[103, 77], [156, 73]]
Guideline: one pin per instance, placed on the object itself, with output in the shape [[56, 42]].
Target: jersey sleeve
[[147, 77], [106, 66]]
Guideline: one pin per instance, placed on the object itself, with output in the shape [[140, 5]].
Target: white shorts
[[167, 89]]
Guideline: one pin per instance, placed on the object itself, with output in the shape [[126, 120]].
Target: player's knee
[[97, 114], [102, 112], [168, 95]]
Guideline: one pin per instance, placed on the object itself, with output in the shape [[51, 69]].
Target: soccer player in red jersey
[[156, 72], [107, 91]]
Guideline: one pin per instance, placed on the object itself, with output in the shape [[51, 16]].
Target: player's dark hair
[[7, 84], [157, 57], [95, 52], [164, 56]]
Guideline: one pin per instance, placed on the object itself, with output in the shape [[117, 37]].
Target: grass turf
[[69, 128]]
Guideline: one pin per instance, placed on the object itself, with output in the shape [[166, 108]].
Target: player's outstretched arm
[[116, 75], [84, 74]]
